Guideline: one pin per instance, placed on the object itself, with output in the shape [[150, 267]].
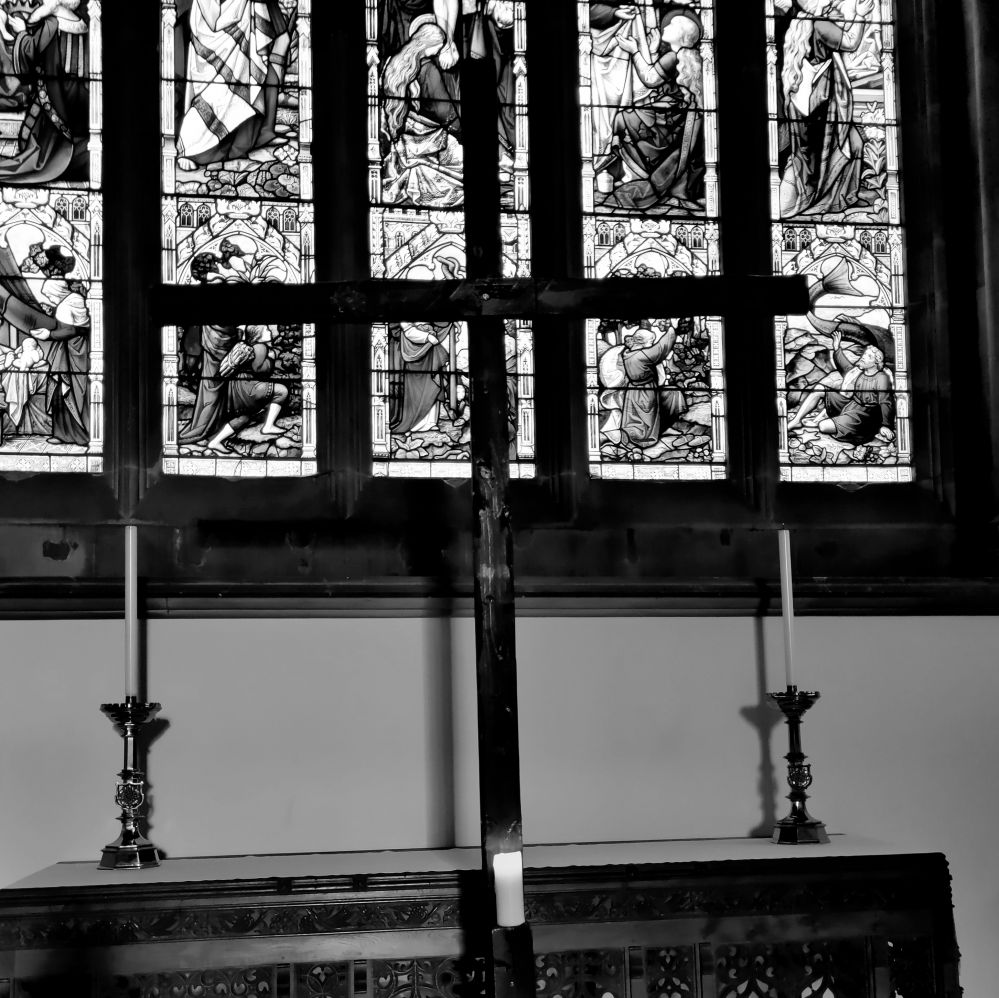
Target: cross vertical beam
[[511, 963]]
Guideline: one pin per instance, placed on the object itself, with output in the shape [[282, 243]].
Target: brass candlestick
[[131, 850], [799, 827]]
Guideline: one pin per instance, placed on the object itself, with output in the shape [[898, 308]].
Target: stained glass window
[[842, 369], [419, 390], [655, 385], [238, 400], [51, 225]]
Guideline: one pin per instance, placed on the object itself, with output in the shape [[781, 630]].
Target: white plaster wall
[[290, 736]]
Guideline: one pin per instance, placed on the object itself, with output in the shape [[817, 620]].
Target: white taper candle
[[786, 600], [131, 611], [508, 876]]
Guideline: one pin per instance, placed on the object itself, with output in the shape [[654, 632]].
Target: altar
[[705, 918]]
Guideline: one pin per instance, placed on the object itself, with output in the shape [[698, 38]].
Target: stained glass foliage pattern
[[842, 369], [239, 401], [655, 386], [51, 237], [420, 384]]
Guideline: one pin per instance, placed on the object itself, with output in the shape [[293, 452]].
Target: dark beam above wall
[[65, 600], [319, 570]]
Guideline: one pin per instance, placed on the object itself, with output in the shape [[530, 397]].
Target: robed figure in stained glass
[[22, 389], [655, 156], [646, 409], [50, 309], [234, 388], [822, 147], [236, 62], [422, 158], [611, 76], [418, 354], [858, 398], [421, 43], [422, 359], [490, 35], [435, 75], [43, 83]]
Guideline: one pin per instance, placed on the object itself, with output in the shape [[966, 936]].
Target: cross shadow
[[764, 718], [439, 706], [428, 539]]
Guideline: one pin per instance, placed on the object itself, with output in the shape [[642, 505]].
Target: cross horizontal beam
[[518, 298]]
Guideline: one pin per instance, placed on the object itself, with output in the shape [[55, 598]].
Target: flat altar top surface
[[206, 869]]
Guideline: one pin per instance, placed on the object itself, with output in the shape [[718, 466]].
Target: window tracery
[[842, 371], [655, 385], [420, 415], [239, 400], [52, 325]]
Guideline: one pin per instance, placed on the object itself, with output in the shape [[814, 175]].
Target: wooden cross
[[478, 298], [485, 300]]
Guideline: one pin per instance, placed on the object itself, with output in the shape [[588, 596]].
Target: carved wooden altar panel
[[831, 927]]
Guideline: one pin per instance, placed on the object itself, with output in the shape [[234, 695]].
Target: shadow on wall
[[439, 709], [427, 546], [764, 717], [149, 734]]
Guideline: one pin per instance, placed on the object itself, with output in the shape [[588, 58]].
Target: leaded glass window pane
[[655, 385], [239, 400], [419, 389], [51, 237], [842, 369]]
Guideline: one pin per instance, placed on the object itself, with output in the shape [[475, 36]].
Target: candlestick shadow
[[147, 735], [762, 716]]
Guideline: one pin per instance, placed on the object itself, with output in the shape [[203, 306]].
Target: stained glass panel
[[842, 369], [239, 400], [51, 237], [655, 385], [420, 380]]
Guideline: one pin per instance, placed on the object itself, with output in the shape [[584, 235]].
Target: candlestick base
[[790, 833], [799, 827], [131, 850], [122, 855]]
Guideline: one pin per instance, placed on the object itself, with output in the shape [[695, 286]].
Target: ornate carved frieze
[[624, 904], [117, 928]]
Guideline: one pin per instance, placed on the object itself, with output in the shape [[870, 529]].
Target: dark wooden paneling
[[865, 925]]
